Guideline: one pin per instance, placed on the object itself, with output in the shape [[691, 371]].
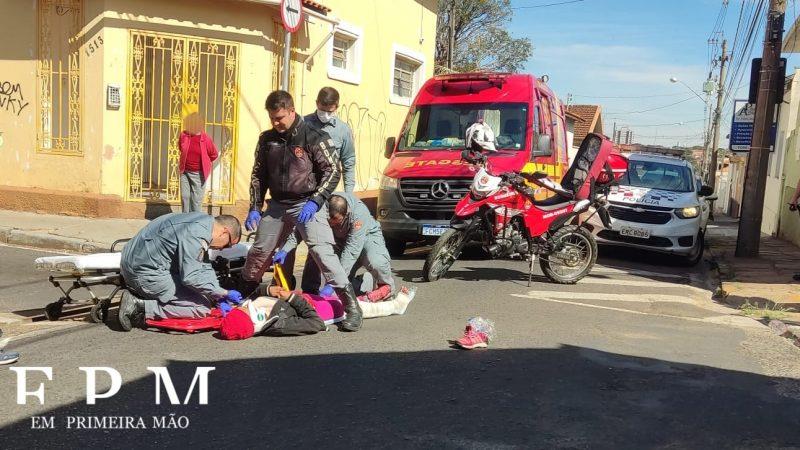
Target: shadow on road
[[564, 397]]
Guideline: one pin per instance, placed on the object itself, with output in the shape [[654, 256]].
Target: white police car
[[661, 205]]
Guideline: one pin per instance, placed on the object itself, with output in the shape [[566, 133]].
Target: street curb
[[49, 241]]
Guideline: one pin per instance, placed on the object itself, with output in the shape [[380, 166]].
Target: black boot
[[352, 320], [131, 312]]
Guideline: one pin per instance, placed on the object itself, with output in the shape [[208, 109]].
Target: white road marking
[[638, 282], [644, 273], [603, 296], [729, 320]]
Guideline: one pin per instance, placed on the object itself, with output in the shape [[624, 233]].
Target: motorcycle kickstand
[[532, 258]]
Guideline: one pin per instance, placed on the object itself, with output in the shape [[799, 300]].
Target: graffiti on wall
[[11, 98], [369, 135]]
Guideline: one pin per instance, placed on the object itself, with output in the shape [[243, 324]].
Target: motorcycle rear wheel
[[443, 254], [575, 258]]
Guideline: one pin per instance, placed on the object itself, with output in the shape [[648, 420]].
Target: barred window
[[59, 121]]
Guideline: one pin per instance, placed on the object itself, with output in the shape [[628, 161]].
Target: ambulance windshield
[[434, 127]]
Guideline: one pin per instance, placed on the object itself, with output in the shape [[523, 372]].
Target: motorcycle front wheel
[[443, 254], [575, 255]]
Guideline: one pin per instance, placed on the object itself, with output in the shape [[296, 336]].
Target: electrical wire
[[651, 109], [546, 5], [675, 94]]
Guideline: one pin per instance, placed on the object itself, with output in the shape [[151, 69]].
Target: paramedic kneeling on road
[[296, 163], [167, 271], [359, 243]]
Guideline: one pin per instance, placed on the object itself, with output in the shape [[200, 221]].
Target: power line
[[546, 5], [651, 109], [675, 94], [666, 124]]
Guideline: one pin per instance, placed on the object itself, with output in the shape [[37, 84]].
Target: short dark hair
[[328, 96], [337, 205], [231, 223], [278, 100]]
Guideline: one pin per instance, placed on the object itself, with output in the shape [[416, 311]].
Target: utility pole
[[451, 38], [755, 181], [711, 176]]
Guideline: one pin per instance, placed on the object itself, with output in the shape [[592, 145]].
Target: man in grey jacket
[[167, 270], [325, 120]]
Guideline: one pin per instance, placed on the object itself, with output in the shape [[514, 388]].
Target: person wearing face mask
[[325, 119], [167, 271]]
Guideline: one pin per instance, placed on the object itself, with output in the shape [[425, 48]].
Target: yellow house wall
[[102, 167], [366, 106], [23, 165]]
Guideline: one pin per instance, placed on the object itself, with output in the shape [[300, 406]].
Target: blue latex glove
[[251, 223], [279, 257], [225, 308], [234, 297], [326, 290], [308, 211]]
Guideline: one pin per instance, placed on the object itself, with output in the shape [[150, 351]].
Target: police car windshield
[[658, 175], [434, 127]]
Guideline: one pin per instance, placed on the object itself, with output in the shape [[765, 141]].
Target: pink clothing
[[329, 308], [208, 152]]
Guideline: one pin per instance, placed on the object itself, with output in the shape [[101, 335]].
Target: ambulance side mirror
[[390, 142], [705, 191]]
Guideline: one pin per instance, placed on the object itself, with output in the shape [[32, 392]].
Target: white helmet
[[480, 137]]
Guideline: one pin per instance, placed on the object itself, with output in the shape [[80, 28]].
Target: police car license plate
[[640, 233], [434, 230]]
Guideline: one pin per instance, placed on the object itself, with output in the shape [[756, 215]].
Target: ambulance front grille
[[436, 192]]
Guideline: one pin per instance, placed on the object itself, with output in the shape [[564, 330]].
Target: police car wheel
[[696, 255]]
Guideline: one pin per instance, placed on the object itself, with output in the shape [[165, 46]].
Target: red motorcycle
[[501, 213]]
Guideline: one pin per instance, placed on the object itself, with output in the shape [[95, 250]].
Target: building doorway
[[168, 72]]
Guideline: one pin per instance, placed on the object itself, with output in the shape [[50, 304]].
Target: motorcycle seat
[[552, 203]]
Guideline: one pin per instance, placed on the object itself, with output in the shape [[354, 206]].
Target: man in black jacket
[[296, 164]]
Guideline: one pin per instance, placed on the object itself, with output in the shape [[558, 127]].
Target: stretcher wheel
[[53, 310], [99, 312]]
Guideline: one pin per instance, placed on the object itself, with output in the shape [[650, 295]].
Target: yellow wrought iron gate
[[168, 72]]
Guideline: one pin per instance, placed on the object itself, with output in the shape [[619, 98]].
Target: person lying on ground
[[292, 313]]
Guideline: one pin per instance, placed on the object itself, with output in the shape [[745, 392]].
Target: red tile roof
[[317, 6], [591, 122]]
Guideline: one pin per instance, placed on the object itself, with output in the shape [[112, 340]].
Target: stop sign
[[291, 14]]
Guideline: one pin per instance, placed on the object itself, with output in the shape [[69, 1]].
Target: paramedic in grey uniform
[[359, 242], [167, 271], [324, 119], [296, 164]]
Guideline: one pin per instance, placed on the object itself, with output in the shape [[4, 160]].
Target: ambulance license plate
[[434, 230], [639, 233]]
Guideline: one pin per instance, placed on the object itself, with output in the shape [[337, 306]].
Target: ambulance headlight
[[388, 183], [688, 213]]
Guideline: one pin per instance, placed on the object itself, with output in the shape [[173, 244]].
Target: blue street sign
[[744, 115]]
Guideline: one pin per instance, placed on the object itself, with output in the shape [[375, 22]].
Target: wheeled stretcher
[[83, 272]]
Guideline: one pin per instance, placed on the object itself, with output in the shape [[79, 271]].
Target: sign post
[[292, 17]]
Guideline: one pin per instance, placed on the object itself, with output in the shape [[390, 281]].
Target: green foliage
[[481, 41]]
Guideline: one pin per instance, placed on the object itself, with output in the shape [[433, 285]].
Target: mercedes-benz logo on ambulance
[[440, 189]]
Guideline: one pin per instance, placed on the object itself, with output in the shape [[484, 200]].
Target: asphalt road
[[634, 356]]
